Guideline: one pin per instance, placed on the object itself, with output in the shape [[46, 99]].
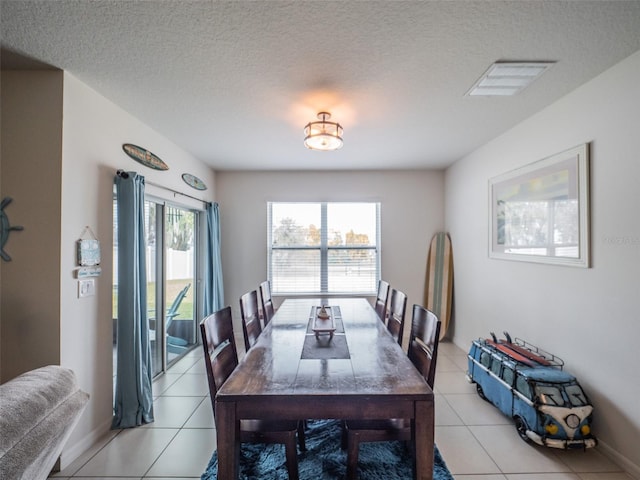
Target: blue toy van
[[529, 385]]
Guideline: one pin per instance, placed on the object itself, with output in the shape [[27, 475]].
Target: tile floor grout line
[[178, 430], [84, 464]]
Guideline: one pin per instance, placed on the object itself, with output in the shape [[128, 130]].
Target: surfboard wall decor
[[439, 282], [144, 156], [193, 181]]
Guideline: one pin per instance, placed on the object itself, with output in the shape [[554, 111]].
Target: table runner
[[324, 347]]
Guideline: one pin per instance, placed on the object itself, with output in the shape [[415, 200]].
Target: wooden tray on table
[[324, 325]]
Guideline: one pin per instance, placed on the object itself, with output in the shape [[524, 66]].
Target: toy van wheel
[[481, 392], [521, 427]]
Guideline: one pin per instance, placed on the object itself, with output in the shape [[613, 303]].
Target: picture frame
[[88, 248], [540, 212]]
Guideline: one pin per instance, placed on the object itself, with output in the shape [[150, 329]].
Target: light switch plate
[[86, 288]]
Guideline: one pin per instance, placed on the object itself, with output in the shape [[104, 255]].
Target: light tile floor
[[475, 439]]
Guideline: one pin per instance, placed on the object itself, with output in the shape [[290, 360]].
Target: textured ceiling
[[234, 82]]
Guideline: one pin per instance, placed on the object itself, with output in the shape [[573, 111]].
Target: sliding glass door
[[171, 250], [171, 280]]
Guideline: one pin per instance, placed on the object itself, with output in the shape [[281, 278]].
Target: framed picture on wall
[[540, 212]]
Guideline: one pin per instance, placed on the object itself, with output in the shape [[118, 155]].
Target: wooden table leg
[[424, 425], [228, 437]]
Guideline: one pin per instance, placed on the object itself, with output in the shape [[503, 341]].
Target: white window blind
[[323, 248]]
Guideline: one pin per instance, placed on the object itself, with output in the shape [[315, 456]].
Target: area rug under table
[[324, 460]]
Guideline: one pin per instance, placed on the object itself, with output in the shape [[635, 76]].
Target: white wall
[[589, 317], [411, 212], [94, 131]]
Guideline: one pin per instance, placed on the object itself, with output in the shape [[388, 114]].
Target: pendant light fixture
[[323, 135]]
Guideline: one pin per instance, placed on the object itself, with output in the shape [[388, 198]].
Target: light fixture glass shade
[[323, 135]]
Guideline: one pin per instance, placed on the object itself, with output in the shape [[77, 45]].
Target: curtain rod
[[123, 174]]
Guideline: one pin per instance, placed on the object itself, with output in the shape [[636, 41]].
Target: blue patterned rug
[[324, 460]]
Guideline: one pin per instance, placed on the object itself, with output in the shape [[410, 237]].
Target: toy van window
[[523, 387], [549, 395], [485, 359], [576, 396], [507, 376], [496, 365]]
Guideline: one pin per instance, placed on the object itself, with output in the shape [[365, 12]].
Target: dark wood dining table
[[372, 379]]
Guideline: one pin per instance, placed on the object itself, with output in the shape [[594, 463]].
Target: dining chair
[[251, 327], [425, 334], [221, 358], [268, 311], [396, 311], [382, 298], [423, 353]]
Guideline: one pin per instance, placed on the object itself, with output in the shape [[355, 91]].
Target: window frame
[[324, 248]]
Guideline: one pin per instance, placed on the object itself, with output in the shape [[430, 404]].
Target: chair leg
[[301, 439], [353, 445], [292, 457]]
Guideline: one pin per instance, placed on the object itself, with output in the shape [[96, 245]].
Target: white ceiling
[[234, 82]]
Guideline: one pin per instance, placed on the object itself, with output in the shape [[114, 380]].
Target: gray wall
[[589, 317], [31, 175]]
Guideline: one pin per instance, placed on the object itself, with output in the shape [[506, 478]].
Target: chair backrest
[[267, 303], [172, 311], [381, 300], [397, 309], [251, 327], [220, 353], [423, 343]]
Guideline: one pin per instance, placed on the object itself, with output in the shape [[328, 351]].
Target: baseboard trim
[[626, 464], [94, 440]]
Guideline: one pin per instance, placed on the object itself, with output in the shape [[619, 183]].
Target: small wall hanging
[[84, 272], [6, 228], [88, 249], [144, 156], [193, 181]]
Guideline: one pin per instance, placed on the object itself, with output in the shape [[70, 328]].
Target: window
[[549, 395], [523, 386], [485, 359], [576, 396], [323, 248], [507, 375], [496, 365]]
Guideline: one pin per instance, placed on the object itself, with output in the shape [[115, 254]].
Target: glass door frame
[[160, 356]]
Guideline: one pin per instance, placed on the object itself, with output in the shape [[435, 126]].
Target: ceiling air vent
[[507, 78]]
